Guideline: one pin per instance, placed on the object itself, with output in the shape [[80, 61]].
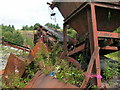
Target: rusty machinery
[[96, 21]]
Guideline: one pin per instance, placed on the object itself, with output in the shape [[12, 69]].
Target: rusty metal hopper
[[75, 14]]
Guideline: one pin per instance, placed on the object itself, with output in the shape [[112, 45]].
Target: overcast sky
[[27, 12]]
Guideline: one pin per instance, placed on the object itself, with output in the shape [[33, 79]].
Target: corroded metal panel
[[15, 65], [42, 81], [75, 15]]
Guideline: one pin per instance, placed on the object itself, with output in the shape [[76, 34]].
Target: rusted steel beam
[[15, 65], [94, 25], [7, 44], [108, 34], [107, 6], [92, 28], [74, 62], [76, 49], [90, 66], [37, 48], [110, 48]]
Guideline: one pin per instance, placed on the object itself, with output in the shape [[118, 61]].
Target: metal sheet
[[42, 81], [107, 18], [15, 65]]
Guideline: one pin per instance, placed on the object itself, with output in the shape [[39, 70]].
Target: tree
[[37, 24], [31, 28], [7, 28], [8, 36], [52, 25], [13, 28], [26, 27], [18, 39], [14, 37]]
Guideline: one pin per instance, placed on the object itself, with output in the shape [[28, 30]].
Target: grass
[[28, 37], [114, 56]]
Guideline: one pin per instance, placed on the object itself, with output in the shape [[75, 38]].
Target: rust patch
[[42, 81], [15, 65], [1, 72]]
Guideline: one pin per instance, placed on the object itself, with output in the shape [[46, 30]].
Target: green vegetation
[[49, 62], [14, 37], [114, 56], [111, 70], [117, 30], [28, 37], [26, 27], [52, 25], [14, 82], [6, 28], [11, 35], [72, 33], [29, 28]]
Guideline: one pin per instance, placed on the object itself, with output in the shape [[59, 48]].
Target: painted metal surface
[[44, 81], [110, 48], [108, 34]]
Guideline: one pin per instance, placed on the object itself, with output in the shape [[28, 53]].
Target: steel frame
[[93, 37], [108, 34]]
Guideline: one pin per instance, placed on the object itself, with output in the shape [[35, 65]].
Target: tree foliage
[[11, 35], [14, 37], [26, 27], [6, 28], [52, 25]]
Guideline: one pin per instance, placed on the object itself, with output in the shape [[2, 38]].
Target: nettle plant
[[111, 70], [64, 71], [14, 81]]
